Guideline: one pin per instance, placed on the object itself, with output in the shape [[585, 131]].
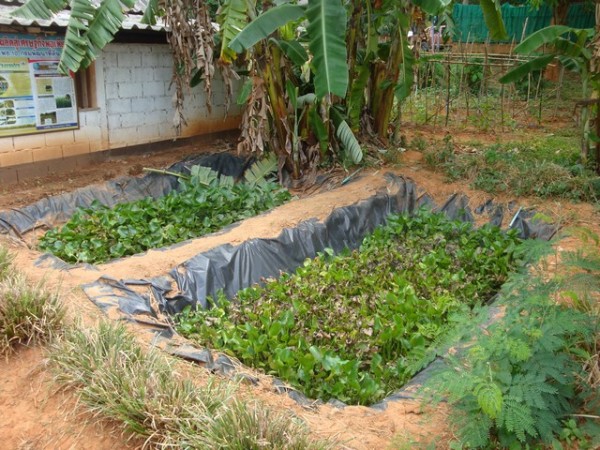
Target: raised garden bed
[[355, 326]]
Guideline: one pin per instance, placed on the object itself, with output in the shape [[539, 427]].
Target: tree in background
[[321, 73]]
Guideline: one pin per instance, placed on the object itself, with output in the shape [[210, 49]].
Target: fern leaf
[[475, 431], [489, 398], [532, 250], [516, 418], [257, 173], [518, 349]]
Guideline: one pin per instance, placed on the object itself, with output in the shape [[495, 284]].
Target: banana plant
[[570, 47], [299, 123], [91, 26]]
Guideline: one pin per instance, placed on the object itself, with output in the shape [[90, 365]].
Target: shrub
[[522, 171], [523, 377]]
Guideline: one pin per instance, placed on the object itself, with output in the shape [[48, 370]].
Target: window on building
[[85, 87]]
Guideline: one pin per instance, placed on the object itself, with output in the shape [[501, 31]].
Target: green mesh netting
[[520, 21]]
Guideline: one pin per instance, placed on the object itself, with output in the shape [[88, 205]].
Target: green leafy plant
[[518, 381], [204, 203], [353, 326]]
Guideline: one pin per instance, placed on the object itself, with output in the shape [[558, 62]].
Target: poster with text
[[34, 96]]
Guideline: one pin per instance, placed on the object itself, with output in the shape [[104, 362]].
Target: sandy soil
[[28, 398]]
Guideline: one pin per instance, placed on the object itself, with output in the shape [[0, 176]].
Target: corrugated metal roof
[[132, 20], [138, 7]]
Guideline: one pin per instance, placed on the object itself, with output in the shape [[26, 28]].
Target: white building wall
[[135, 106]]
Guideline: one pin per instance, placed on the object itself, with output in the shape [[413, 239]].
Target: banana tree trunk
[[384, 83], [268, 57], [352, 38]]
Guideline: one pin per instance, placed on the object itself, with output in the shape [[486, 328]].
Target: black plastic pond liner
[[230, 268], [52, 210]]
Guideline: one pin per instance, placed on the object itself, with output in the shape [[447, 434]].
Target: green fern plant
[[519, 380]]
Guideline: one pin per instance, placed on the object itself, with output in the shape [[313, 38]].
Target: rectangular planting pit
[[457, 267], [356, 326], [192, 199]]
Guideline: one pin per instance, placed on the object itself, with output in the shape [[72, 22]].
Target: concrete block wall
[[36, 148], [139, 98], [135, 106]]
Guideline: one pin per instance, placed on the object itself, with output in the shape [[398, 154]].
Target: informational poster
[[34, 96]]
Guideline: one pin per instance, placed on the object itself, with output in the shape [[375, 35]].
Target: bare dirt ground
[[35, 416]]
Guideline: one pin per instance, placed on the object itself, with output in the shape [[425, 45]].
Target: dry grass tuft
[[117, 379], [29, 313]]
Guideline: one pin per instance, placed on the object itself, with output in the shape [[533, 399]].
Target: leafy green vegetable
[[204, 203], [353, 326]]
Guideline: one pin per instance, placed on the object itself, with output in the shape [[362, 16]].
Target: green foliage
[[492, 14], [327, 31], [29, 313], [6, 259], [117, 379], [353, 326], [544, 168], [346, 137], [204, 203], [40, 9], [264, 25], [233, 16], [517, 382], [91, 27], [259, 171]]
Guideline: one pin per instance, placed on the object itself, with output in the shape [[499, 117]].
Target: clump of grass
[[29, 313], [119, 380], [541, 169], [6, 259]]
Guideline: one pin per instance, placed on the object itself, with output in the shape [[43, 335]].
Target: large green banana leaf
[[492, 14], [541, 37], [233, 18], [327, 33], [107, 20], [40, 9], [346, 136], [89, 29], [264, 25], [151, 12], [523, 69]]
